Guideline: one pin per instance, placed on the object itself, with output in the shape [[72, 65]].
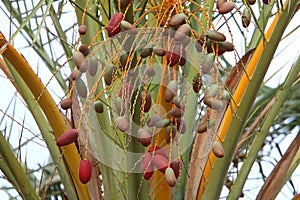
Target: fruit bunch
[[141, 78]]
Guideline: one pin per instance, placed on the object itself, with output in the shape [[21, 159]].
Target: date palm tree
[[161, 99]]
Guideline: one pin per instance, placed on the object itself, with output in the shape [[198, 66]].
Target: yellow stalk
[[55, 118], [237, 96], [161, 188]]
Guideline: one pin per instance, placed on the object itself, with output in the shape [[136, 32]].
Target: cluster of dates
[[211, 44]]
